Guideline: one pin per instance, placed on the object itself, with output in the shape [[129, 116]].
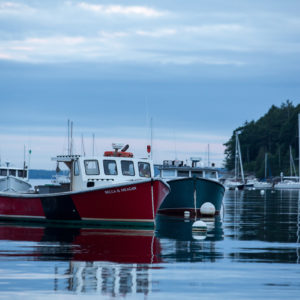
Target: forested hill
[[273, 134]]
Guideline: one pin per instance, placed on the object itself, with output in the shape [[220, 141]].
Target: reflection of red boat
[[115, 190], [79, 244]]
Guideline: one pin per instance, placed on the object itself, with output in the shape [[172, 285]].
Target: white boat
[[262, 185], [14, 179], [287, 184], [291, 182]]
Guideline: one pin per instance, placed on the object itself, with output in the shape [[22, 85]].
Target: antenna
[[208, 162], [82, 145], [151, 137], [68, 137], [93, 144], [71, 139], [299, 144]]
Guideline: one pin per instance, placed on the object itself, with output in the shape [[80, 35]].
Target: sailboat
[[238, 182], [263, 184]]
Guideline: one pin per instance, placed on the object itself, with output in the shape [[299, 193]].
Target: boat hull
[[12, 184], [188, 194], [127, 204]]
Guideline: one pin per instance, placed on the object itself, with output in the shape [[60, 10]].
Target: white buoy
[[236, 189], [262, 192], [207, 209], [186, 214], [199, 226]]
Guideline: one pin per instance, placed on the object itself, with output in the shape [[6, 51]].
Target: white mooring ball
[[199, 226], [207, 209], [262, 192]]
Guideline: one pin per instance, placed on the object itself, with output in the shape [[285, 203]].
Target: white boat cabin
[[172, 169], [112, 168], [10, 171]]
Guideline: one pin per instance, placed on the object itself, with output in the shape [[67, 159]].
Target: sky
[[195, 69]]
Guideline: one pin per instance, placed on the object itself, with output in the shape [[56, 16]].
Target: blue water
[[250, 252]]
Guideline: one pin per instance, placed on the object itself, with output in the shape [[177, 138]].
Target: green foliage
[[272, 134]]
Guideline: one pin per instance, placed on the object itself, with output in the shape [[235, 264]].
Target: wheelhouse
[[92, 171], [9, 171], [174, 169]]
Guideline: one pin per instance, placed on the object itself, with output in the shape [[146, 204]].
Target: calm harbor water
[[251, 252]]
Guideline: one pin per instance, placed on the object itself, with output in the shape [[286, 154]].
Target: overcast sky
[[198, 68]]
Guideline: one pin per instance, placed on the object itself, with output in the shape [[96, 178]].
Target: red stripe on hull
[[19, 206]]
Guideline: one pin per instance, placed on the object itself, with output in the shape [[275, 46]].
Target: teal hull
[[188, 194]]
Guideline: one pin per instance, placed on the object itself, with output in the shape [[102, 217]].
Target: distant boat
[[14, 180], [238, 182], [191, 187], [263, 184], [291, 182]]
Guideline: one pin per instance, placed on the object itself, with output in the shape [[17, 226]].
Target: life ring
[[118, 154]]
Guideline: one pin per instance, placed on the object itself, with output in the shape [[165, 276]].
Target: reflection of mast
[[109, 278], [298, 226]]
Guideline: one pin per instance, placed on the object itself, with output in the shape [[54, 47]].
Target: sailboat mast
[[299, 146], [240, 158], [266, 160], [236, 156], [291, 170]]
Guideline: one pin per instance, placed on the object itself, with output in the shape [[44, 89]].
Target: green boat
[[191, 187]]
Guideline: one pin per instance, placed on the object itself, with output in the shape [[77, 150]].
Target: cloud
[[15, 8], [157, 33], [142, 11]]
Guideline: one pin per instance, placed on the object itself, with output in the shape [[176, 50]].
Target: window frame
[[127, 161], [144, 163], [106, 168], [85, 167]]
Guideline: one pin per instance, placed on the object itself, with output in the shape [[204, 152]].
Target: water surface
[[250, 252]]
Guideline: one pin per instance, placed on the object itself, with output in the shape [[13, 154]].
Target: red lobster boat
[[115, 189]]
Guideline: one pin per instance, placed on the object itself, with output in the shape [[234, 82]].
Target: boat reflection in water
[[181, 243], [108, 261]]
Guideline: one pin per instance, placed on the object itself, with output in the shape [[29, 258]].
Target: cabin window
[[76, 168], [144, 169], [22, 173], [183, 173], [91, 167], [168, 173], [12, 172], [110, 167], [3, 172], [197, 173], [211, 175], [127, 168]]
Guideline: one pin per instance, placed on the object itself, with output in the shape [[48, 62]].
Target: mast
[[68, 137], [93, 144], [71, 139], [299, 145], [82, 145], [240, 157], [208, 162], [266, 163], [236, 156], [151, 137]]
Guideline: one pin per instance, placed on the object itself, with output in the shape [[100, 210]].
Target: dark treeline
[[273, 134]]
